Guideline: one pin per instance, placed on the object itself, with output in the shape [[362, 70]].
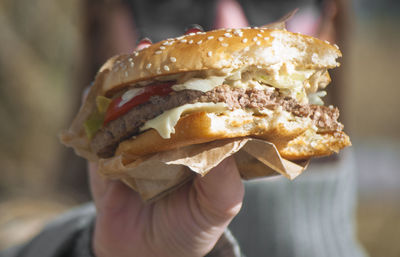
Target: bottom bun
[[312, 144], [293, 136]]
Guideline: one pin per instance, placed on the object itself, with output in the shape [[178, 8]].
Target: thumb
[[220, 193]]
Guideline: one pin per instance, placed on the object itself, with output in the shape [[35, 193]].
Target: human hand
[[188, 222]]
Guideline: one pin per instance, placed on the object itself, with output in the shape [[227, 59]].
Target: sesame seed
[[183, 41], [192, 34], [228, 30], [262, 31], [130, 59], [224, 44], [165, 43], [199, 42], [258, 43], [255, 39], [244, 40], [336, 46], [132, 64], [326, 41], [247, 48], [259, 35], [191, 41], [209, 54], [227, 35], [172, 59], [237, 31], [210, 37], [220, 39], [259, 66], [162, 47], [148, 66], [158, 71], [158, 52], [255, 27], [166, 68], [135, 53], [266, 38]]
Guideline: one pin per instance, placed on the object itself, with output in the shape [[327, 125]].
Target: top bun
[[217, 50]]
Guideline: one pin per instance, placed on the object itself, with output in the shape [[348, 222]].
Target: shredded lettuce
[[292, 80], [315, 98]]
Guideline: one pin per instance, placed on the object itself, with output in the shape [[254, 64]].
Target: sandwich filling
[[258, 98]]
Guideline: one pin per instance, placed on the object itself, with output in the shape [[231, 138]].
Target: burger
[[206, 86]]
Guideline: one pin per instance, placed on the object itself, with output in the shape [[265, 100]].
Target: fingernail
[[193, 28]]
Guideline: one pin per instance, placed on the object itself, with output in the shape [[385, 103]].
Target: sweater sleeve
[[70, 235], [227, 246]]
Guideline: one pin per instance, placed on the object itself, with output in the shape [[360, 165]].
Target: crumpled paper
[[156, 175]]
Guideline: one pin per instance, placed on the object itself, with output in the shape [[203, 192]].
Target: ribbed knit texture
[[310, 216]]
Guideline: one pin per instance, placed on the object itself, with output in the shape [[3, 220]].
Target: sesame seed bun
[[217, 50], [216, 53]]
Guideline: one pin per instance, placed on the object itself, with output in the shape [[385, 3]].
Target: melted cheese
[[165, 123]]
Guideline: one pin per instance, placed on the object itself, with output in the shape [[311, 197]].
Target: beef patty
[[106, 140]]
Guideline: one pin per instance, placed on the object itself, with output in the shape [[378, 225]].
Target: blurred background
[[42, 72]]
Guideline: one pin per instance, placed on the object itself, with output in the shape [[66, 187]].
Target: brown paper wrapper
[[158, 174]]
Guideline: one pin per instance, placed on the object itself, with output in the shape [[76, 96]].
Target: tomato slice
[[115, 110]]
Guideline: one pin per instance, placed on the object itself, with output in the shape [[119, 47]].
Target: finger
[[220, 193], [306, 21], [230, 15]]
